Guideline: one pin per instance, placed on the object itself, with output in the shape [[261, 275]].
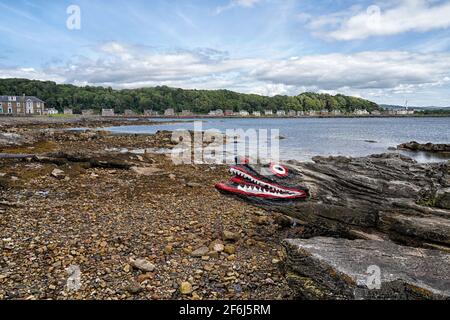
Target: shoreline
[[90, 119]]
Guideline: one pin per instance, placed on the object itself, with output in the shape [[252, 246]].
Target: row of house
[[30, 105], [268, 113], [289, 113]]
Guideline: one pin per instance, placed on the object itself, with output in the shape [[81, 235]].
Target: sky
[[387, 51]]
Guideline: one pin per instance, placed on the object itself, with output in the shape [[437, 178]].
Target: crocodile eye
[[279, 170]]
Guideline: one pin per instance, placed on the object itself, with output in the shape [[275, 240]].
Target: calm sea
[[306, 138]]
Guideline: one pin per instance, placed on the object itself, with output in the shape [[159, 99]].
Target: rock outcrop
[[381, 196], [8, 139], [385, 212], [428, 147], [327, 268]]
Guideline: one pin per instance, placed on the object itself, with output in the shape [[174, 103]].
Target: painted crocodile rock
[[386, 198], [380, 196]]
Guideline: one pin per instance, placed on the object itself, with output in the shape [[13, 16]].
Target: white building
[[68, 111], [150, 113], [50, 111], [362, 112], [87, 112], [268, 112], [281, 113], [256, 114], [244, 113], [169, 112], [216, 113], [129, 113], [108, 113], [186, 113]]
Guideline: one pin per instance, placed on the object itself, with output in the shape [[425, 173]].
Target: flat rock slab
[[328, 268]]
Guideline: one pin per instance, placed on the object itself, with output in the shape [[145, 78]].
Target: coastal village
[[29, 105]]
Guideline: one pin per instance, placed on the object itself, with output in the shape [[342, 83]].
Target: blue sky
[[386, 51]]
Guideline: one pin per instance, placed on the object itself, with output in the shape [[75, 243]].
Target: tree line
[[160, 98]]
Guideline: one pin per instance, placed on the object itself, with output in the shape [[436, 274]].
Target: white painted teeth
[[263, 188]]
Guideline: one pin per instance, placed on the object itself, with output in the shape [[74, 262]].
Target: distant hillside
[[60, 96]]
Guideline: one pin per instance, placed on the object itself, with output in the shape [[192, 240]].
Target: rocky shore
[[135, 225], [93, 215]]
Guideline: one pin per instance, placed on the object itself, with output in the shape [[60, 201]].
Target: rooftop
[[20, 98]]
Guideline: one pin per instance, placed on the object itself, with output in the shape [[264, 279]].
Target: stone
[[229, 249], [168, 249], [147, 171], [143, 265], [230, 236], [144, 277], [262, 220], [127, 268], [58, 174], [217, 246], [194, 185], [330, 268], [186, 288], [213, 254], [134, 288], [202, 251]]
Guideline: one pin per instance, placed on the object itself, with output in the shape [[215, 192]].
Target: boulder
[[329, 268]]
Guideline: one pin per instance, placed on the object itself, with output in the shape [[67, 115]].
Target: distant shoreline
[[77, 117], [277, 117]]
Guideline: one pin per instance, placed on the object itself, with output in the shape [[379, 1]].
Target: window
[[29, 107], [9, 110], [1, 109], [9, 104]]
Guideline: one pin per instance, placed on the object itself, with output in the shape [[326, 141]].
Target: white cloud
[[402, 16], [365, 70], [237, 3], [374, 75]]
